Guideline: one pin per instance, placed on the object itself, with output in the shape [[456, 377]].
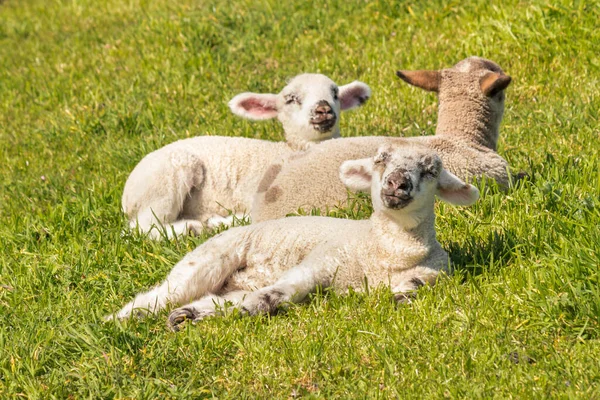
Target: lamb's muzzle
[[396, 193], [323, 117]]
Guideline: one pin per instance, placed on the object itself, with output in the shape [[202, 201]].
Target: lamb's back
[[311, 179]]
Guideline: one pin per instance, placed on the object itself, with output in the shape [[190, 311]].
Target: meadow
[[87, 88]]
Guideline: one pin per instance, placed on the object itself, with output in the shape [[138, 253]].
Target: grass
[[88, 88]]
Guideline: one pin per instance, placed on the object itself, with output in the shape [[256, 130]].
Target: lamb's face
[[404, 181], [404, 178], [309, 107]]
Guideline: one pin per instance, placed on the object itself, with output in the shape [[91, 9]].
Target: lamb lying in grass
[[471, 105], [256, 268], [194, 182]]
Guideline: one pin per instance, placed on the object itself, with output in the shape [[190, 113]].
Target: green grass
[[87, 88]]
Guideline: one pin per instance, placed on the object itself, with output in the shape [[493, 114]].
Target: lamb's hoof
[[405, 298], [178, 317], [194, 228], [262, 302]]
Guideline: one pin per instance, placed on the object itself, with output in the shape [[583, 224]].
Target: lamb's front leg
[[406, 283], [200, 272], [292, 287], [208, 306], [265, 300]]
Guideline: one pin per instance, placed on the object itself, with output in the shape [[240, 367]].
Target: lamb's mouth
[[396, 202], [325, 125]]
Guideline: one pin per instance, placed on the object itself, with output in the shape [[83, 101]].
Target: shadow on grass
[[474, 254]]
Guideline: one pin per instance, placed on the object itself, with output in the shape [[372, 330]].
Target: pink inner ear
[[355, 176], [257, 107], [361, 173], [353, 97]]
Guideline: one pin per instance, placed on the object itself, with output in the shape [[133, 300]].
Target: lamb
[[471, 105], [256, 268], [192, 183]]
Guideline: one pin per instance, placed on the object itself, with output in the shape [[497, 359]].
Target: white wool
[[256, 268], [196, 182]]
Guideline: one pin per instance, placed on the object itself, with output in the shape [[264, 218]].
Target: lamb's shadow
[[474, 255]]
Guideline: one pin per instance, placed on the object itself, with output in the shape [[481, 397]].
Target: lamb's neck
[[476, 124], [413, 237]]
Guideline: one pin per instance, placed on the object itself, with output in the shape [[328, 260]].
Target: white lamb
[[256, 268], [471, 106], [192, 183]]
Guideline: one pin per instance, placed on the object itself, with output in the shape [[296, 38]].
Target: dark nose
[[323, 114], [400, 185]]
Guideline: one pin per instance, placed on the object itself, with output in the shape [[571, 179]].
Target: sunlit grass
[[87, 88]]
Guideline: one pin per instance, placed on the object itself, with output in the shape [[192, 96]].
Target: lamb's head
[[471, 98], [404, 181], [308, 107]]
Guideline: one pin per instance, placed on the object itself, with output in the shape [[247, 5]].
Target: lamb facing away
[[258, 267], [471, 105], [193, 182]]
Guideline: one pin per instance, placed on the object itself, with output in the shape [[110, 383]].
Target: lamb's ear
[[255, 106], [356, 175], [493, 83], [428, 80], [353, 95], [454, 191]]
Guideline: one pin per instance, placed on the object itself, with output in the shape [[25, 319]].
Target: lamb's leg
[[217, 220], [200, 272], [292, 287], [148, 223], [157, 189], [207, 306], [408, 282]]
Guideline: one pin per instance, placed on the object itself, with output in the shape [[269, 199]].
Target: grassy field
[[87, 88]]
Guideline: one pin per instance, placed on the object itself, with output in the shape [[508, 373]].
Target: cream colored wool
[[256, 268], [195, 182], [471, 105]]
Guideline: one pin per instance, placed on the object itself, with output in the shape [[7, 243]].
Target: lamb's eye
[[335, 94], [428, 174], [381, 158], [292, 99]]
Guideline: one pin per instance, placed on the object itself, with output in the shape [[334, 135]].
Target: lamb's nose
[[322, 113], [401, 185]]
